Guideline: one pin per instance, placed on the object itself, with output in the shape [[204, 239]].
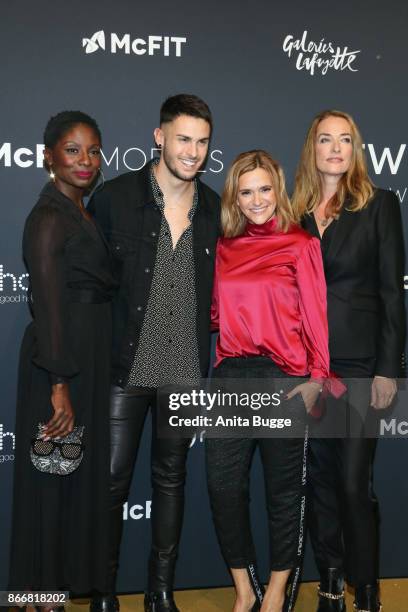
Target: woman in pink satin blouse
[[269, 305]]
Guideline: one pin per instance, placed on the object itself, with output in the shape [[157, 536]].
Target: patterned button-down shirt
[[168, 352]]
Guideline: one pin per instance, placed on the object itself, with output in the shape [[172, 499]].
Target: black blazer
[[364, 267], [131, 221]]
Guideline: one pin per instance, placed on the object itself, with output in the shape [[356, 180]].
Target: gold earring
[[52, 174]]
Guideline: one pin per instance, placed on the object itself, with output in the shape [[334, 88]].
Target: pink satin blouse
[[269, 299]]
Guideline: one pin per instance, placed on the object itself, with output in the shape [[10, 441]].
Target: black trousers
[[168, 466], [343, 509], [284, 464]]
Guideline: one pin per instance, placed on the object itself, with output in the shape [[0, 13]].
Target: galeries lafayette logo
[[319, 56]]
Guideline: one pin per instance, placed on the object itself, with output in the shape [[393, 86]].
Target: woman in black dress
[[60, 523]]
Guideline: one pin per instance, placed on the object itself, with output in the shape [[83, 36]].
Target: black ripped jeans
[[168, 464]]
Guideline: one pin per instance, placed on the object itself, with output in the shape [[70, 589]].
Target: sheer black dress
[[60, 523]]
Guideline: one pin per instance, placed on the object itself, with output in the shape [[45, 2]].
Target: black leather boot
[[331, 591], [367, 599], [104, 603], [160, 601]]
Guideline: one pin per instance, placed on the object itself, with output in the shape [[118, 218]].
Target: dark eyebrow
[[190, 138], [72, 142]]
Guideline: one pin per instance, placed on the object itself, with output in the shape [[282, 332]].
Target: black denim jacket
[[126, 211]]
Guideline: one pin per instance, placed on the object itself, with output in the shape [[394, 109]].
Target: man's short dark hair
[[185, 104]]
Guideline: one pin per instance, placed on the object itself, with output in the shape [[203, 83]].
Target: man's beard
[[174, 170]]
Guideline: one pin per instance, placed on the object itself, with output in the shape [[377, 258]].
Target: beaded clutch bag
[[61, 456]]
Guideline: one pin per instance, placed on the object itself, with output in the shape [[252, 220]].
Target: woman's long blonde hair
[[355, 184], [233, 221]]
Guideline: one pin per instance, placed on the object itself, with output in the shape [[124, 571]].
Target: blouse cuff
[[334, 385], [318, 375]]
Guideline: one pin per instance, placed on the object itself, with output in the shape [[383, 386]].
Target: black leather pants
[[168, 464], [343, 509]]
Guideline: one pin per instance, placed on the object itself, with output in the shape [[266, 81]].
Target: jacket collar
[[142, 185], [145, 192], [344, 227]]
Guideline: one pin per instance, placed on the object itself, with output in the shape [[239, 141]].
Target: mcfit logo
[[96, 42], [125, 43]]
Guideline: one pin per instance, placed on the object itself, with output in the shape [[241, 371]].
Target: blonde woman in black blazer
[[360, 230]]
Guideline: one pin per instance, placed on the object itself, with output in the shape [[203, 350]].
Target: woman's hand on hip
[[383, 391], [62, 422], [309, 391]]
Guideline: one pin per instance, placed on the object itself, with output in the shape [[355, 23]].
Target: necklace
[[323, 222]]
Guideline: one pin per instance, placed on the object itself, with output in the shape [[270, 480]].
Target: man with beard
[[162, 225]]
